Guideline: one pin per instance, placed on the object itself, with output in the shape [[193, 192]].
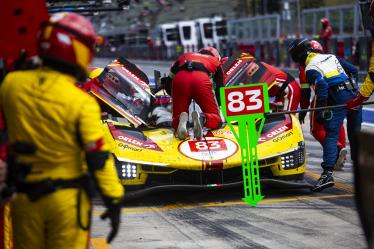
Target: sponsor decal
[[126, 138], [274, 133], [280, 138], [232, 69], [114, 79], [128, 147], [144, 85], [211, 149], [212, 145], [222, 132], [252, 69]]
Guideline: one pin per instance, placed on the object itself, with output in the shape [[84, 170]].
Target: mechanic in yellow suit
[[367, 88], [56, 134]]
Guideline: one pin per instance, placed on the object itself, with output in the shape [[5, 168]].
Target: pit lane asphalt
[[221, 220]]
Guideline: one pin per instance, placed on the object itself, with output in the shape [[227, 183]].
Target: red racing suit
[[284, 87], [6, 241], [318, 130], [325, 35], [197, 76]]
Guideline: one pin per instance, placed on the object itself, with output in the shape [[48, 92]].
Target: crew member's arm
[[218, 79], [350, 69], [100, 162], [166, 82], [305, 89], [322, 88], [98, 157], [367, 88]]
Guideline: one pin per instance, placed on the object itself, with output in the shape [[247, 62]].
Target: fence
[[262, 37]]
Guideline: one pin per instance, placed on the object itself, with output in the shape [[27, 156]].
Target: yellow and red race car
[[150, 158]]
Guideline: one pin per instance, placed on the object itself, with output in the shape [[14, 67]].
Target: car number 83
[[244, 101]]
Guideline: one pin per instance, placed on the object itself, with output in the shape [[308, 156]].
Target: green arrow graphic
[[247, 137]]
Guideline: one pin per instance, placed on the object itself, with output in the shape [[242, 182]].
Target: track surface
[[221, 220]]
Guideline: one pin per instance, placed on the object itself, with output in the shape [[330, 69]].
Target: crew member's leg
[[354, 120], [52, 221], [203, 93], [181, 94]]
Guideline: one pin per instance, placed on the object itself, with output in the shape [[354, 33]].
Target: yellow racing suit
[[368, 87], [44, 108]]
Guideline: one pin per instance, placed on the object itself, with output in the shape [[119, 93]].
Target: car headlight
[[288, 161], [128, 170], [295, 158]]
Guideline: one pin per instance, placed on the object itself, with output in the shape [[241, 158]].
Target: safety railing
[[356, 50]]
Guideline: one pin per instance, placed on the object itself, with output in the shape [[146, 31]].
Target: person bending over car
[[329, 74], [282, 86], [56, 134], [317, 129], [196, 76]]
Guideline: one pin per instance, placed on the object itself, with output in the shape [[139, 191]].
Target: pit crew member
[[316, 129], [282, 86], [329, 75], [197, 76], [325, 34], [55, 130], [367, 87]]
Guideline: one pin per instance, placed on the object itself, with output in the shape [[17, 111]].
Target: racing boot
[[325, 181], [341, 159], [182, 131], [198, 124]]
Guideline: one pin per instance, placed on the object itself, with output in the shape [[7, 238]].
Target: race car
[[150, 158]]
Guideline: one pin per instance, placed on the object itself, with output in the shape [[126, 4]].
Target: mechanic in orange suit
[[196, 76], [318, 130]]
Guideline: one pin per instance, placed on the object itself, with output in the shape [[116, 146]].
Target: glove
[[357, 101], [276, 106], [324, 115], [302, 116], [224, 60], [113, 212]]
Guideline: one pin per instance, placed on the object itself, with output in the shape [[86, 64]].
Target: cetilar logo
[[234, 67]]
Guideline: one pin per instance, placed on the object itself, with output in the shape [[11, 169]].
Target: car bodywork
[[152, 158]]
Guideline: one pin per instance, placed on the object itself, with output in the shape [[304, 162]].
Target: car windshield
[[271, 122], [124, 86]]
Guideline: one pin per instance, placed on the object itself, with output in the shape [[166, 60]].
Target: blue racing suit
[[334, 87]]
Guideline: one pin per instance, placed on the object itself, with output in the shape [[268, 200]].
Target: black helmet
[[299, 50]]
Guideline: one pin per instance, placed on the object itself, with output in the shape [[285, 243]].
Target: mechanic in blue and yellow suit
[[332, 77], [57, 137]]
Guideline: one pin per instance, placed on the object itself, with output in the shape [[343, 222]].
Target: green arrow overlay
[[248, 132]]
